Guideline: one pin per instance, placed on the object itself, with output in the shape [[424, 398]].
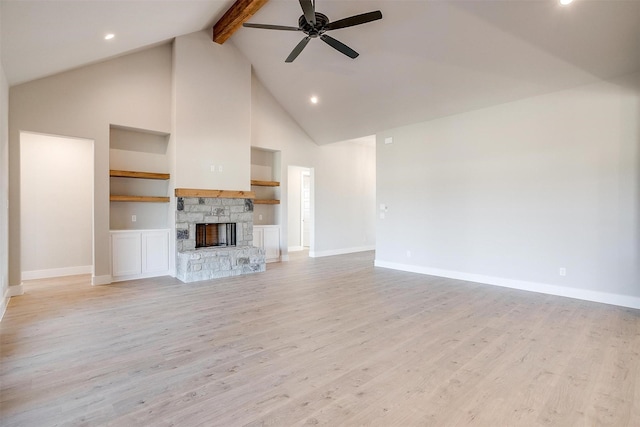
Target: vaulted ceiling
[[423, 60]]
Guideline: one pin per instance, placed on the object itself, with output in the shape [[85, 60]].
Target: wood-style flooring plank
[[317, 341]]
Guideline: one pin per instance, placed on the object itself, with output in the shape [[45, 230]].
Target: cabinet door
[[258, 237], [155, 251], [125, 254], [272, 243]]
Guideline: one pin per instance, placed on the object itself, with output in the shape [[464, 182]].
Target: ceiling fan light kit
[[315, 25]]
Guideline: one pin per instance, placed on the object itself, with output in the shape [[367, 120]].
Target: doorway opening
[[56, 206], [305, 204], [300, 208]]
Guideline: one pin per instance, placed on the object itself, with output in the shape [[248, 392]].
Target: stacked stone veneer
[[212, 263]]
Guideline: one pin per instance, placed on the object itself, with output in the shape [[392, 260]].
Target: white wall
[[344, 178], [212, 96], [130, 91], [4, 189], [56, 176], [510, 194], [345, 197]]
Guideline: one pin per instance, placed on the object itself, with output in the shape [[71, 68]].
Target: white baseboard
[[101, 280], [107, 280], [543, 288], [57, 272], [319, 254], [296, 248], [11, 291], [139, 276], [4, 303], [16, 290]]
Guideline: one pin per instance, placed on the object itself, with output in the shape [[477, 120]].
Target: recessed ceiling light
[[565, 2], [111, 35], [314, 99]]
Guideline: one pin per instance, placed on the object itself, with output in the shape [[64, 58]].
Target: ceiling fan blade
[[296, 50], [355, 20], [309, 12], [339, 46], [270, 27]]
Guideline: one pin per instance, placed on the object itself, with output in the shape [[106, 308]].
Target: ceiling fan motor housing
[[314, 31]]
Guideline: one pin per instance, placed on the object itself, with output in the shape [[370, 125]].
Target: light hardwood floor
[[331, 341]]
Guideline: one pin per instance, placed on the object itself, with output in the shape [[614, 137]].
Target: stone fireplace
[[206, 224]]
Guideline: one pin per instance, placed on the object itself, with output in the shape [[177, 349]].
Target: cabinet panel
[[258, 237], [272, 243], [155, 251], [126, 254], [267, 237]]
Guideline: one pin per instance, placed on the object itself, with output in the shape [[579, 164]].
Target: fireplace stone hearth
[[216, 263], [194, 264]]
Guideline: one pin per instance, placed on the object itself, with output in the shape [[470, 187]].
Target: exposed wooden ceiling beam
[[233, 19]]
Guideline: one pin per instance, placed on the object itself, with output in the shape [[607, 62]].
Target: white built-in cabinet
[[137, 254], [267, 237]]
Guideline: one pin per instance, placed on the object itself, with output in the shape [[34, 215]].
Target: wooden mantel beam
[[224, 194], [233, 19]]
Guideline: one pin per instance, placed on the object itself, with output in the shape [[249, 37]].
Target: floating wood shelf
[[152, 199], [265, 183], [225, 194], [266, 202], [135, 174]]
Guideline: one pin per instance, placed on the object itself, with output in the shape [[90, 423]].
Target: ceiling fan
[[315, 25]]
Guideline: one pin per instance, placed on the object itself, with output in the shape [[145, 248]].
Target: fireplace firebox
[[218, 234]]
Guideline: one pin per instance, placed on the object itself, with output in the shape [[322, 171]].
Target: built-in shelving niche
[[139, 175], [265, 182]]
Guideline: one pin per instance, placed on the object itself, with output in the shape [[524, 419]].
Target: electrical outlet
[[562, 271], [133, 218], [260, 217], [212, 168], [408, 254]]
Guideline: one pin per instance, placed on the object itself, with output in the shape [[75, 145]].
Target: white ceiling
[[44, 37], [424, 59]]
